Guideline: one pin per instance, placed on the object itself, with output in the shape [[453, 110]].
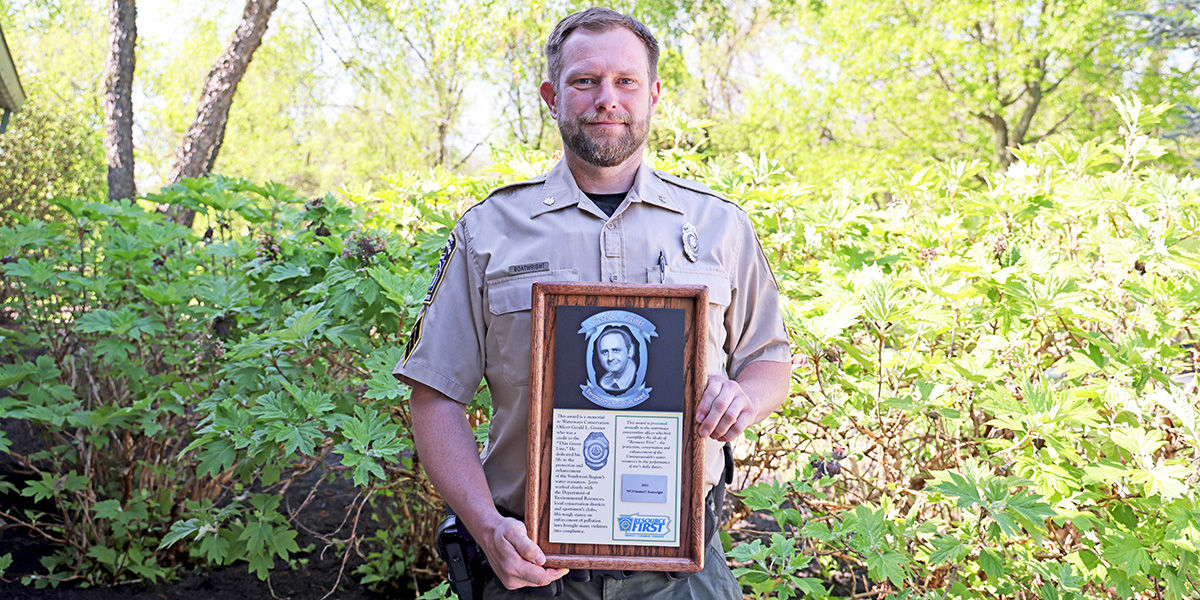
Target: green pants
[[715, 582]]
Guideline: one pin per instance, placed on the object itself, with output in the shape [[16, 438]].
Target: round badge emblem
[[691, 242], [595, 451]]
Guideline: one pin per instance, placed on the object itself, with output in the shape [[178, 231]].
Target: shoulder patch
[[688, 184], [447, 254]]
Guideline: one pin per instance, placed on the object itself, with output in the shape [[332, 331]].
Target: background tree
[[55, 145], [118, 99], [202, 141], [882, 84], [1176, 27], [280, 112], [348, 94], [45, 155]]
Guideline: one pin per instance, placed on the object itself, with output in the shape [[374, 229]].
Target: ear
[[655, 92], [550, 97]]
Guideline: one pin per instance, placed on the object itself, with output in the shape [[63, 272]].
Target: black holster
[[468, 566]]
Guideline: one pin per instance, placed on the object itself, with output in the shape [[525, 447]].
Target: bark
[[1021, 131], [198, 151], [118, 99], [1000, 137]]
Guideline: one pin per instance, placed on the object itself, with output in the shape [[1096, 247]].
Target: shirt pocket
[[514, 293], [719, 289]]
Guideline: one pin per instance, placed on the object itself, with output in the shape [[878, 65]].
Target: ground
[[313, 575], [312, 578]]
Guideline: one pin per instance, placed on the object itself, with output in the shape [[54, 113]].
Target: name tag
[[536, 267], [643, 488]]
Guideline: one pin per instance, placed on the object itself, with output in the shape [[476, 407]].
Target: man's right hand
[[516, 559], [447, 448]]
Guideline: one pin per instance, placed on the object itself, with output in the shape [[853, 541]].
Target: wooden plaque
[[619, 370]]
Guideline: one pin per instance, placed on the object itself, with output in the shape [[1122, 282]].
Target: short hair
[[597, 19], [618, 330]]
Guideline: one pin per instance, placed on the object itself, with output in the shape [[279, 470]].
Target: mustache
[[608, 118]]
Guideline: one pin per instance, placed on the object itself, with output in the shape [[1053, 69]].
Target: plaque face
[[615, 458]]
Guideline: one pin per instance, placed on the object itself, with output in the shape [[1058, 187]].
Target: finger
[[724, 419], [740, 425], [512, 558], [516, 572], [525, 547], [524, 574], [711, 391], [529, 569], [519, 572], [717, 411]]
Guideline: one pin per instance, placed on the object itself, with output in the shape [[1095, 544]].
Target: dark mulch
[[847, 581], [315, 573]]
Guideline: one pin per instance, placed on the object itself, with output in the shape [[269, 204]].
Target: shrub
[[994, 391], [45, 155], [180, 381], [995, 386]]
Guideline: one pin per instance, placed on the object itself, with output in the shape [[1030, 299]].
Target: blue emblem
[[447, 254], [645, 526], [595, 451]]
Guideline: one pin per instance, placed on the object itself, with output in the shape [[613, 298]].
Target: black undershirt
[[607, 202]]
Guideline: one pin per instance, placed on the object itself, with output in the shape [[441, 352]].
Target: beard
[[603, 151]]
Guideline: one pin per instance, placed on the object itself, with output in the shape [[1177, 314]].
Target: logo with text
[[617, 342], [647, 526]]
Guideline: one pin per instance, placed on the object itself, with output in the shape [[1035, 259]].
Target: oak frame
[[688, 557]]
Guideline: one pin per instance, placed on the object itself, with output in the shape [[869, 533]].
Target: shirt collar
[[560, 191]]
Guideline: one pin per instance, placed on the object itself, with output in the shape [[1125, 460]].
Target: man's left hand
[[725, 409]]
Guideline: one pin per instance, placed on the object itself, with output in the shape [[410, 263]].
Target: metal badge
[[595, 451], [691, 242]]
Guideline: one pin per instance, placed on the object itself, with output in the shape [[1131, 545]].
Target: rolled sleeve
[[445, 349]]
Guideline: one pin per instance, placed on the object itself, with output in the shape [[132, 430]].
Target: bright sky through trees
[[351, 92]]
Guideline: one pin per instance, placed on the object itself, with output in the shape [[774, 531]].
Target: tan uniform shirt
[[476, 319]]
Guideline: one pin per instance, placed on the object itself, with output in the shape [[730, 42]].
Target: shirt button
[[612, 277], [612, 225]]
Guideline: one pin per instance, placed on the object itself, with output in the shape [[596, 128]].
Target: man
[[599, 215], [615, 349]]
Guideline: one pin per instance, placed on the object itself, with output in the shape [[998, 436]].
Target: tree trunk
[[118, 99], [198, 151], [1000, 137]]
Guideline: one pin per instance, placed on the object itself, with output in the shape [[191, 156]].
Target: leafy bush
[[45, 154], [180, 382], [995, 392]]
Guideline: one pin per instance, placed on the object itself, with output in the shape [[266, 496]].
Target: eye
[[627, 81], [583, 81]]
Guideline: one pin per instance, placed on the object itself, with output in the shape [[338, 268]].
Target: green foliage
[[179, 381], [44, 155], [875, 87], [1004, 378], [54, 145]]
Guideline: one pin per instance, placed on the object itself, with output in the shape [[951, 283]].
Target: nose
[[606, 96]]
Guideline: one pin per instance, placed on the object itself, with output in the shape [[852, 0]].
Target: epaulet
[[688, 184], [532, 181], [507, 186]]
